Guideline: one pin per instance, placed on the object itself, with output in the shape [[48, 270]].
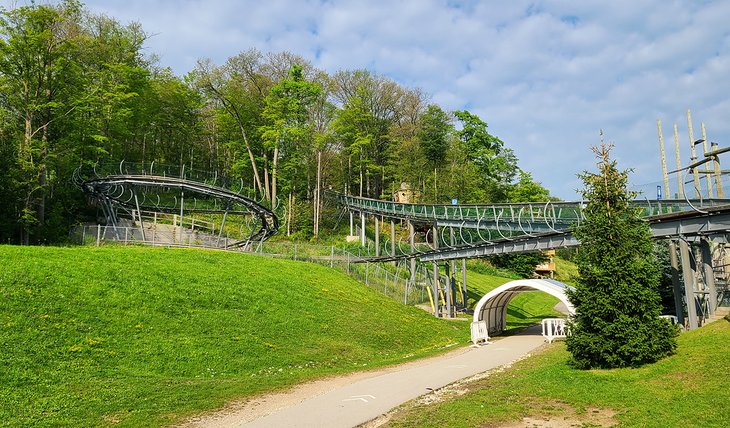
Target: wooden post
[[665, 176], [708, 174], [718, 172], [680, 183], [695, 176]]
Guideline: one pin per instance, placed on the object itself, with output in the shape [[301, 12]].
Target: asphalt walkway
[[359, 402]]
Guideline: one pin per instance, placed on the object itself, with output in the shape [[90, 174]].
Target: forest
[[78, 88]]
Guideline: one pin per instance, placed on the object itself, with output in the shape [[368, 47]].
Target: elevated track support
[[697, 231]]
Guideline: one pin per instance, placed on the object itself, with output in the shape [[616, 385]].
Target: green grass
[[688, 389], [565, 271], [132, 336]]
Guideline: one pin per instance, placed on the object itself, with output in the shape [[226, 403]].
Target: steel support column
[[437, 311], [688, 273], [352, 223], [676, 285], [362, 228], [709, 275], [463, 280], [411, 241], [377, 237], [182, 204], [139, 215], [392, 237], [452, 276]]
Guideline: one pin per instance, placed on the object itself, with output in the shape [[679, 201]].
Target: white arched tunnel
[[492, 308]]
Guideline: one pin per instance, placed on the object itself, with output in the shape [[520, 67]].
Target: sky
[[546, 76]]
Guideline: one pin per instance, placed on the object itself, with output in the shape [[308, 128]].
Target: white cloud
[[546, 76]]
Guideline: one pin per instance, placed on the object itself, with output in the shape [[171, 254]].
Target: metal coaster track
[[122, 186], [505, 228]]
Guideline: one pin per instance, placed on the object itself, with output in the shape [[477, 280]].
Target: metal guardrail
[[552, 213]]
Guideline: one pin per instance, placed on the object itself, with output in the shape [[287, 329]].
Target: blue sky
[[546, 76]]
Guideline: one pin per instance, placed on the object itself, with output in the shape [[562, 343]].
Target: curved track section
[[161, 193]]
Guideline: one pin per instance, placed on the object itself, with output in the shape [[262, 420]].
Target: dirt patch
[[561, 415]]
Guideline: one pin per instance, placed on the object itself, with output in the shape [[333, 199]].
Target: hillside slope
[[146, 336]]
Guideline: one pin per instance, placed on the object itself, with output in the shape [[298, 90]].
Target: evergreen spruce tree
[[617, 302]]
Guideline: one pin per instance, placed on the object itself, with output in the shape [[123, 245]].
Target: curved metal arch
[[492, 307]]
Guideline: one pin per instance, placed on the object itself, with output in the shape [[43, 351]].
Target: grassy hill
[[146, 336], [688, 389]]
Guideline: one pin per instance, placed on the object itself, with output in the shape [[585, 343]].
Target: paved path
[[359, 402]]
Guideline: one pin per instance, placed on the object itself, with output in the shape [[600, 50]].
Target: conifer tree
[[617, 302]]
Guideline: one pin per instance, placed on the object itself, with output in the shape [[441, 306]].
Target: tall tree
[[496, 164], [527, 190], [371, 104], [617, 306], [35, 61], [288, 130], [433, 137], [239, 87]]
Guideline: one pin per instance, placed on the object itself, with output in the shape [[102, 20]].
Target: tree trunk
[[435, 190], [361, 175], [256, 177], [234, 112], [317, 193], [25, 143], [42, 176], [349, 175], [289, 215], [275, 163]]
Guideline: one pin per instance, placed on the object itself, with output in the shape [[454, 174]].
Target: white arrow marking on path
[[360, 398]]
